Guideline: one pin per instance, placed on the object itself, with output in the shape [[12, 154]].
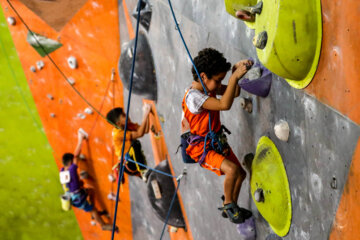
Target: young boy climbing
[[78, 194], [212, 67], [132, 145]]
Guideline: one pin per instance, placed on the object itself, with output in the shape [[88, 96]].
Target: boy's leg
[[96, 216], [232, 179], [238, 184], [232, 157]]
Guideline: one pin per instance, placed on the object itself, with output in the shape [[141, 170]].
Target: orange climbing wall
[[337, 84], [92, 36]]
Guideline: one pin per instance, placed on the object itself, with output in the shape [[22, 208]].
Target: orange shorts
[[213, 161]]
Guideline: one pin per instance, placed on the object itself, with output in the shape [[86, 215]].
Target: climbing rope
[[57, 67], [122, 165], [211, 134]]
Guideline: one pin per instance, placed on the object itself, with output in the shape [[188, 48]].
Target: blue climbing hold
[[247, 229], [257, 81]]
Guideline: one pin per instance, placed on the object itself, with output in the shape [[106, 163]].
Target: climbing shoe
[[243, 212], [232, 212]]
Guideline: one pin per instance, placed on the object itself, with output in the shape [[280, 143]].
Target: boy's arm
[[141, 130], [222, 90], [225, 102], [77, 151]]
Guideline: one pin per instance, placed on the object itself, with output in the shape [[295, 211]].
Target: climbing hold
[[247, 229], [72, 62], [81, 116], [84, 174], [145, 14], [236, 8], [256, 9], [40, 65], [41, 44], [11, 21], [333, 183], [82, 156], [52, 115], [88, 111], [257, 81], [111, 178], [71, 81], [269, 174], [167, 188], [282, 130], [111, 196], [33, 69], [246, 103], [259, 195], [156, 189], [144, 79], [112, 78], [248, 159], [260, 40], [93, 222], [49, 96], [294, 39], [173, 229]]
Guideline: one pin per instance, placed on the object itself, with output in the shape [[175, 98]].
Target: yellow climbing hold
[[269, 175], [294, 30], [234, 5]]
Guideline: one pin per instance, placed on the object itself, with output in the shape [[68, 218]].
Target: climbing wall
[[321, 156], [324, 130]]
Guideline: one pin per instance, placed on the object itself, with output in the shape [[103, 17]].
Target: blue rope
[[127, 158], [170, 208], [211, 133], [127, 118]]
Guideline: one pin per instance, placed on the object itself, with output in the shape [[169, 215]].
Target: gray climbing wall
[[320, 146]]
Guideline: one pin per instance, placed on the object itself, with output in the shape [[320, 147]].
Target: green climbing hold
[[294, 30], [41, 44], [270, 187]]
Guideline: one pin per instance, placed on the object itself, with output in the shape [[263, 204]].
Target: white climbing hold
[[11, 21], [111, 178], [82, 116], [82, 156], [259, 195], [52, 115], [40, 65], [49, 96], [72, 62], [93, 223], [282, 130], [156, 189], [173, 229], [71, 81], [33, 69], [112, 196], [88, 111]]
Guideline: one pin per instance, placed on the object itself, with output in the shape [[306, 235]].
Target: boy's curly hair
[[211, 62]]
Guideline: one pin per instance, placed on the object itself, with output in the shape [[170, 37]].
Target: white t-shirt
[[194, 100]]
